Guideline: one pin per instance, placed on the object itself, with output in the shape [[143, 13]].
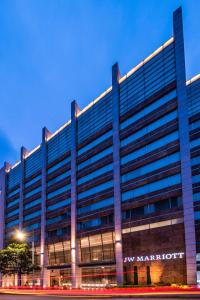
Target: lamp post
[[21, 236]]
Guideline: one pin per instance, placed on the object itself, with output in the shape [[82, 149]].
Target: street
[[42, 297]]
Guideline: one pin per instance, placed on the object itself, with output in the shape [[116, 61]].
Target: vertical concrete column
[[186, 174], [74, 246], [3, 172], [24, 152], [116, 174], [43, 254]]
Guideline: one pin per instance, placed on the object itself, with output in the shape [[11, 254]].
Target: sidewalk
[[146, 292]]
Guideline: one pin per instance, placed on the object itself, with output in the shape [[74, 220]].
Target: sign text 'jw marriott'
[[164, 256]]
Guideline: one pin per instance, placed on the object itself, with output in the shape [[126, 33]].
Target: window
[[148, 109], [59, 191], [95, 174], [14, 202], [59, 204], [95, 222], [58, 218], [13, 193], [58, 165], [95, 206], [150, 147], [35, 179], [196, 197], [195, 161], [151, 167], [96, 189], [32, 227], [95, 142], [32, 203], [33, 215], [95, 158], [151, 187], [12, 223], [147, 129], [195, 143], [58, 178], [33, 192], [194, 125], [196, 178], [12, 213]]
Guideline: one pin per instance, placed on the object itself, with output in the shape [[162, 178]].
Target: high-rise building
[[113, 196]]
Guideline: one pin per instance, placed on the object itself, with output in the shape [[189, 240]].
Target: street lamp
[[20, 235]]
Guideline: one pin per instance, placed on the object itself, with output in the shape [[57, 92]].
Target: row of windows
[[59, 144], [12, 223], [148, 109], [195, 161], [151, 167], [14, 176], [197, 215], [14, 202], [12, 213], [97, 141], [142, 83], [151, 208], [95, 158], [59, 204], [58, 178], [196, 178], [95, 206], [95, 174], [150, 147], [95, 222], [30, 182], [147, 129], [33, 215], [93, 190], [194, 125], [58, 218], [33, 163], [58, 232], [92, 120], [32, 226], [13, 193], [151, 187], [33, 192], [32, 203], [193, 91], [58, 165], [195, 143], [59, 191], [196, 197]]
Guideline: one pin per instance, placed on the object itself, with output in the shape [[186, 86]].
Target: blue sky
[[54, 51]]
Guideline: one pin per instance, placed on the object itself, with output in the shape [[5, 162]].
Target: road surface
[[42, 297]]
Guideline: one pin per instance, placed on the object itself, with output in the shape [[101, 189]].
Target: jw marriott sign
[[164, 256]]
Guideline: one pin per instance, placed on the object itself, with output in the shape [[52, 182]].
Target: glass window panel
[[95, 158], [151, 187], [96, 189], [148, 109], [95, 174], [150, 147], [59, 191], [96, 142], [147, 129], [167, 160]]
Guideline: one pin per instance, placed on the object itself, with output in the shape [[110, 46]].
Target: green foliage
[[16, 258]]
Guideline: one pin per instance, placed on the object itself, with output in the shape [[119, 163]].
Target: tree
[[16, 258]]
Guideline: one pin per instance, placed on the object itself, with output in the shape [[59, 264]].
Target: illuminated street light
[[20, 235]]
